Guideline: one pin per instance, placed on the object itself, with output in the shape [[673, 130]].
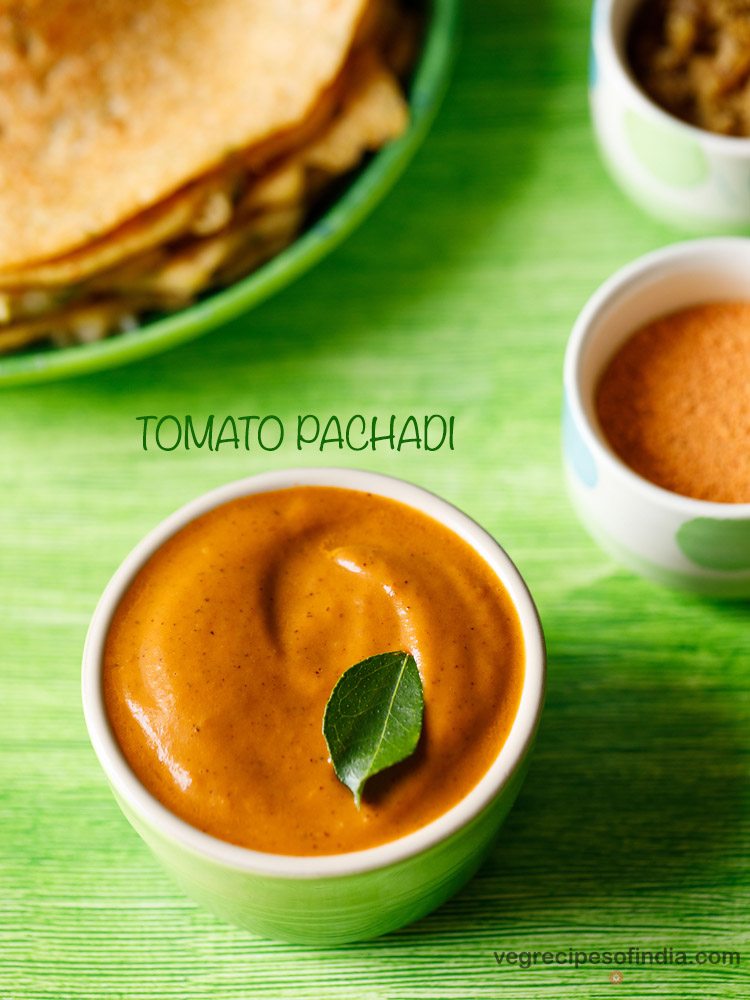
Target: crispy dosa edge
[[108, 107]]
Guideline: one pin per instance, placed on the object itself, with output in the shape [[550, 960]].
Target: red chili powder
[[674, 402]]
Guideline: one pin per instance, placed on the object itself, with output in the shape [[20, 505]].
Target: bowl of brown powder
[[657, 415], [670, 102]]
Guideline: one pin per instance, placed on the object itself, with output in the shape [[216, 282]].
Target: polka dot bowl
[[696, 180], [697, 545]]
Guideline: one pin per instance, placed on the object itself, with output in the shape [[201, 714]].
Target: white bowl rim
[[607, 50], [512, 753], [621, 283]]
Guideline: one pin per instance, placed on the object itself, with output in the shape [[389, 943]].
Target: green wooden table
[[457, 296]]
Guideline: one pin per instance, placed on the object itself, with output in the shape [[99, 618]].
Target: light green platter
[[369, 187]]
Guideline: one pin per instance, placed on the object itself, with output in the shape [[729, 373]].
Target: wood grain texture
[[457, 296]]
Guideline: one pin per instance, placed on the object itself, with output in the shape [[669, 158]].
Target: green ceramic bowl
[[362, 194], [341, 897]]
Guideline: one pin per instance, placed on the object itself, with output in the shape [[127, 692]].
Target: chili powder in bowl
[[657, 416]]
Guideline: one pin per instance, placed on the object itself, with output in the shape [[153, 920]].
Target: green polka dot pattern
[[716, 544]]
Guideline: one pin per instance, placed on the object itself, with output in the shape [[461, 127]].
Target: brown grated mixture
[[692, 57]]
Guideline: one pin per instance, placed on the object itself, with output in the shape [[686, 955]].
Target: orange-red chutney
[[222, 654]]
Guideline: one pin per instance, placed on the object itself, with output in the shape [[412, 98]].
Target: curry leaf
[[373, 718]]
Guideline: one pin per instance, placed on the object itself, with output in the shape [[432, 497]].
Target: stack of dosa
[[150, 151]]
